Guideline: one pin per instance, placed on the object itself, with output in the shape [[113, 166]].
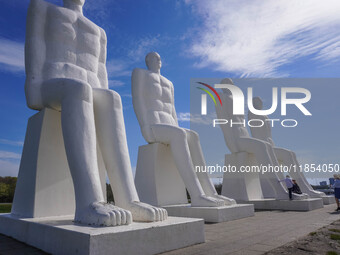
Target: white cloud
[[13, 143], [9, 155], [115, 83], [117, 68], [11, 55], [196, 118], [8, 168], [142, 47], [255, 38]]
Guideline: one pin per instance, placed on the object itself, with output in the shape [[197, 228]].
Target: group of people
[[292, 186]]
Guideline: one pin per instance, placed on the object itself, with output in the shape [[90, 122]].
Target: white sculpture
[[65, 56], [285, 156], [238, 140], [153, 102]]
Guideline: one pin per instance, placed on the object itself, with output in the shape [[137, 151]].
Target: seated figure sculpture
[[285, 156], [238, 139], [153, 102], [65, 56]]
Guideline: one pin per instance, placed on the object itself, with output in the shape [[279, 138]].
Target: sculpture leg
[[288, 158], [74, 99], [177, 139], [198, 160], [112, 141], [265, 156]]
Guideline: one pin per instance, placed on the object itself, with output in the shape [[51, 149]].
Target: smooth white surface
[[327, 200], [153, 102], [157, 179], [62, 236], [238, 140], [65, 56], [212, 214], [284, 156], [286, 205], [45, 186]]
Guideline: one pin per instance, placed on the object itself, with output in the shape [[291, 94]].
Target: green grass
[[5, 208], [312, 233], [335, 237], [331, 253], [334, 230]]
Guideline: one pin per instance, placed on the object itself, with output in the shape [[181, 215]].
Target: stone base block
[[287, 205], [212, 214], [59, 235], [328, 200]]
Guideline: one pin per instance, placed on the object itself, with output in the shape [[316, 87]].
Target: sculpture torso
[[155, 94], [231, 133], [73, 47], [263, 133]]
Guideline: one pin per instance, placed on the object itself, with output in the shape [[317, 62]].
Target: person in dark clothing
[[296, 188]]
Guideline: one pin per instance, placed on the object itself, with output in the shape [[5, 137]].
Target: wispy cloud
[[8, 168], [196, 118], [115, 83], [142, 47], [255, 38], [13, 143], [9, 155], [11, 55]]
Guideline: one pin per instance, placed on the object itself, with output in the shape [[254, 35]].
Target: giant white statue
[[285, 156], [153, 102], [65, 56], [238, 140]]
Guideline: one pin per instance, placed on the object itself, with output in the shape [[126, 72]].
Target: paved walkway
[[250, 236]]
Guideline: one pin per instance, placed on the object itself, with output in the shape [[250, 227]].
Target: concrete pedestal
[[159, 183], [59, 235], [212, 214], [286, 205], [328, 200]]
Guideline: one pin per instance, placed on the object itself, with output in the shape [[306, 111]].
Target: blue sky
[[253, 38]]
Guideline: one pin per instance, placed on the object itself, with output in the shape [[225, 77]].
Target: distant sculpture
[[285, 156], [65, 56], [237, 140], [153, 102]]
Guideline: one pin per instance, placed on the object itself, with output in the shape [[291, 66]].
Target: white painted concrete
[[286, 205], [60, 235], [212, 214], [153, 102]]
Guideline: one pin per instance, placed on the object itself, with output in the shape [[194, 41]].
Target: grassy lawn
[[5, 208]]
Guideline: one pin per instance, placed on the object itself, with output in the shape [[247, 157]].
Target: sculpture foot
[[145, 212], [227, 200], [300, 196], [205, 201], [103, 214]]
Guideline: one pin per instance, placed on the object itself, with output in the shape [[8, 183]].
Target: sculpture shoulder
[[166, 80]]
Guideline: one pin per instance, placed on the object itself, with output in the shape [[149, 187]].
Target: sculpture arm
[[174, 114], [102, 72], [137, 91], [35, 51]]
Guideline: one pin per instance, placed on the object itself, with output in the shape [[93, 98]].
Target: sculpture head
[[153, 61], [227, 81], [257, 103]]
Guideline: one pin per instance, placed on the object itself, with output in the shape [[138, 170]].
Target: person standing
[[336, 186], [289, 184]]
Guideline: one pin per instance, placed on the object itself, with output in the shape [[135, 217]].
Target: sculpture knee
[[78, 90], [108, 96], [193, 136], [180, 135]]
